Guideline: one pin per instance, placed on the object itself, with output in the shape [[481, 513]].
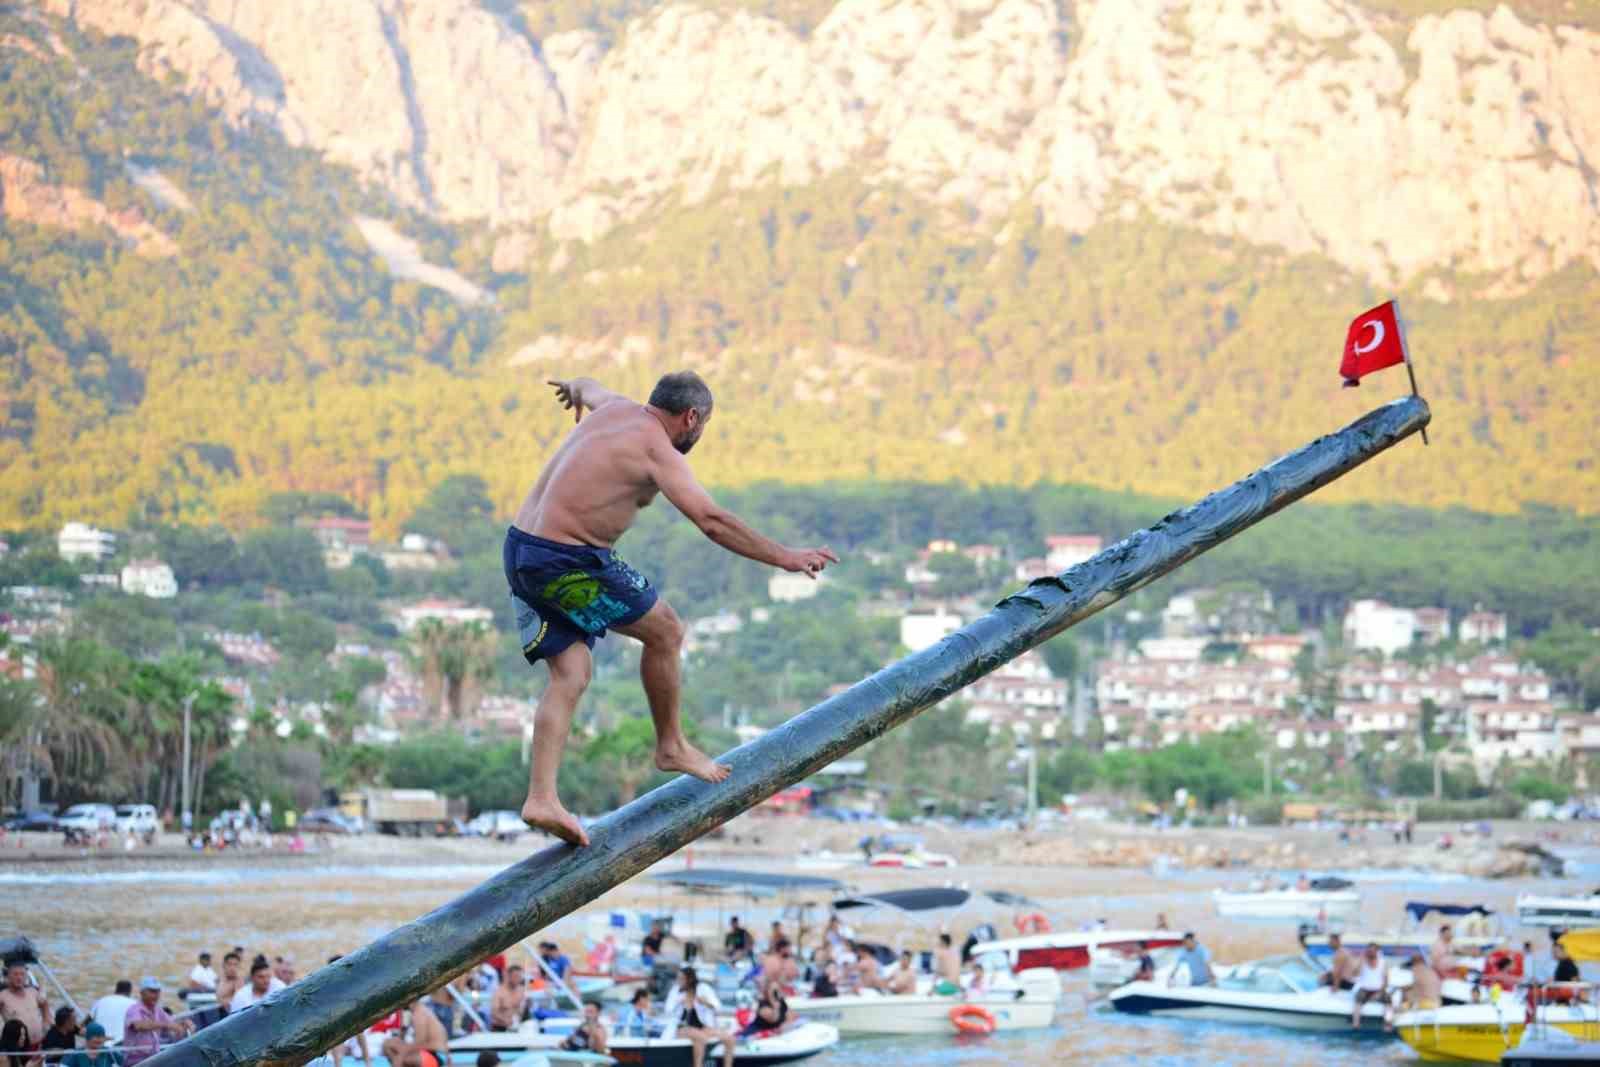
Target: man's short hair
[[640, 994], [230, 956], [1188, 935], [689, 973], [944, 939], [488, 1058], [260, 964], [681, 390], [124, 986]]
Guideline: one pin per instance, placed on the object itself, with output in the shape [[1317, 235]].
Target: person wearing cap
[[147, 1023], [202, 979], [63, 1033], [94, 1053]]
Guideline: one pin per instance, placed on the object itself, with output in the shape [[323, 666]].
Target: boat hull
[[1290, 904], [797, 1043], [1483, 1033], [1296, 1011], [1070, 950], [919, 1015], [1558, 911]]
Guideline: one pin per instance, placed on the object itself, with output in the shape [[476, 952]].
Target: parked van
[[140, 820], [88, 819]]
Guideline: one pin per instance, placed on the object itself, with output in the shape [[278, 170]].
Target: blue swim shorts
[[564, 593]]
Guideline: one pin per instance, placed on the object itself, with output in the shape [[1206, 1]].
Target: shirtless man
[[228, 985], [510, 1001], [429, 1045], [947, 961], [568, 586], [904, 982], [778, 967], [25, 1003]]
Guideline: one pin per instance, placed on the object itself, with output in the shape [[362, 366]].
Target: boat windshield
[[1276, 974]]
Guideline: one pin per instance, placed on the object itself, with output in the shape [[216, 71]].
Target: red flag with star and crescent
[[1373, 342]]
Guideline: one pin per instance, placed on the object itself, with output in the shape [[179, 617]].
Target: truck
[[406, 812]]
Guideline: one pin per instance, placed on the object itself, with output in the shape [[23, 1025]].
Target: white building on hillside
[[1374, 624], [1069, 550], [1482, 627], [79, 540], [445, 611], [149, 577], [786, 587], [918, 632]]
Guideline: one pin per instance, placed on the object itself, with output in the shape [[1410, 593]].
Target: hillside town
[[1408, 680]]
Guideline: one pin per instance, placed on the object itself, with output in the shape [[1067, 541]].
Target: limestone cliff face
[[1466, 143]]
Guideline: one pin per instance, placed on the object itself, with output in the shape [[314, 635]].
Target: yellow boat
[[1481, 1033]]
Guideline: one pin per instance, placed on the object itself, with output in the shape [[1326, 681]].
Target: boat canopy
[[907, 899], [1418, 908], [751, 883], [1010, 900]]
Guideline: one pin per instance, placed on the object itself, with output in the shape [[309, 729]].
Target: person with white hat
[[147, 1023]]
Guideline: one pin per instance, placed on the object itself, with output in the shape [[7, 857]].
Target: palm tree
[[454, 660], [78, 723], [21, 753]]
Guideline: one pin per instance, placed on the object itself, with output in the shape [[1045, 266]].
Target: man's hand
[[570, 393], [808, 561]]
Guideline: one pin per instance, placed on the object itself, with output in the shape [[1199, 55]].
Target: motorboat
[[1484, 1032], [1321, 906], [1277, 991], [1070, 950], [661, 1049], [1026, 1002], [1534, 910], [1565, 1051], [916, 860], [1473, 933]]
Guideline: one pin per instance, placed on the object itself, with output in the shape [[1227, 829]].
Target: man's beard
[[687, 442]]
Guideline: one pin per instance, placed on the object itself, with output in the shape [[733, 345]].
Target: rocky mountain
[[1111, 241], [1458, 142]]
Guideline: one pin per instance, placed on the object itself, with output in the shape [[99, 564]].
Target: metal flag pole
[[294, 1024], [1405, 350]]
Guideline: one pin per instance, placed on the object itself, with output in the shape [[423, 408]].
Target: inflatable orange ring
[[973, 1019], [1033, 923]]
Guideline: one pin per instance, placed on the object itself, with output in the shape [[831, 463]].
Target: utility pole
[[1438, 775], [1033, 783], [187, 816]]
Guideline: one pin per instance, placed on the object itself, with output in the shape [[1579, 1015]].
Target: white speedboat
[[916, 860], [1068, 950], [793, 1043], [1535, 910], [1278, 991], [1030, 1004], [1321, 906]]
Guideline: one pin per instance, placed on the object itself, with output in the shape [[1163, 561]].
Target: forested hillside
[[191, 320]]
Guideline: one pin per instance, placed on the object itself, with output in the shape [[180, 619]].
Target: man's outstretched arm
[[576, 394], [678, 483]]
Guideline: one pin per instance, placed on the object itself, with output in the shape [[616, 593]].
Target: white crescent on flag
[[1377, 337]]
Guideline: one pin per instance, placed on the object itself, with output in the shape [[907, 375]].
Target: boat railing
[[1582, 997]]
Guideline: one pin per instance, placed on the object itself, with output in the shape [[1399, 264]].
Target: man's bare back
[[569, 588]]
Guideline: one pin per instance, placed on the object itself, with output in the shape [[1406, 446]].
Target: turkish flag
[[1372, 343]]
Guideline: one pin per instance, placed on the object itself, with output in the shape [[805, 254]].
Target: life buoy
[[973, 1019], [1032, 923], [1502, 968]]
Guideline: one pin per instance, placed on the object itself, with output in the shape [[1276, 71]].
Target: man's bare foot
[[552, 818], [682, 756]]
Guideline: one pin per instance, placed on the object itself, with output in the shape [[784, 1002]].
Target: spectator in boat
[[23, 1002], [112, 1009], [94, 1052], [867, 974], [778, 967], [444, 1009], [776, 935], [555, 959], [1566, 967], [283, 971], [737, 944], [509, 1004], [429, 1045], [488, 1058], [695, 1006], [1442, 955], [16, 1045], [274, 983], [1302, 884], [947, 964], [1424, 990], [589, 1035], [148, 1023], [904, 980], [1195, 958], [63, 1033], [1147, 964], [978, 984], [771, 1013], [1372, 982], [231, 979], [827, 983], [1343, 968], [650, 949], [636, 1020], [1161, 921], [258, 988], [202, 979]]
